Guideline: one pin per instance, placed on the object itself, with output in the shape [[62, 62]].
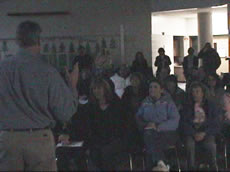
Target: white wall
[[170, 25], [101, 17], [191, 26], [220, 22]]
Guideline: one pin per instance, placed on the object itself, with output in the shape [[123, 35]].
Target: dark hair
[[216, 77], [191, 50], [161, 50], [155, 80], [139, 53], [197, 84], [100, 82], [28, 34], [208, 45], [171, 78]]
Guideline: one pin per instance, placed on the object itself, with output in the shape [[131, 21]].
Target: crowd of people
[[113, 111], [130, 109]]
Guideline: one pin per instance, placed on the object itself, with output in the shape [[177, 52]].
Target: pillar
[[204, 27]]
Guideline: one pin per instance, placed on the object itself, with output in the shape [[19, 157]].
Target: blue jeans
[[156, 143]]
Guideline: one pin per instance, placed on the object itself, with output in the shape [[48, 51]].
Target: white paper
[[73, 144]]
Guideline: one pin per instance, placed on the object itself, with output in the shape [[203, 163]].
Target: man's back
[[31, 92]]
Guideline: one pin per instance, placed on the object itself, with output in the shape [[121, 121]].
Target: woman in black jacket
[[106, 126]]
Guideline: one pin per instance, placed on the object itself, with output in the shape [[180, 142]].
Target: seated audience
[[158, 119], [201, 124]]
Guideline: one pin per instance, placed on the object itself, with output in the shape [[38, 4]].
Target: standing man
[[190, 66], [33, 97], [210, 59]]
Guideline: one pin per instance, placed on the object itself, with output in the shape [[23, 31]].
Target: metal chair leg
[[130, 162], [225, 156], [178, 161], [143, 161]]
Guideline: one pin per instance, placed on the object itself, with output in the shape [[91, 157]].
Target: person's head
[[213, 80], [161, 51], [85, 73], [100, 90], [123, 71], [191, 51], [155, 89], [81, 51], [28, 34], [171, 84], [208, 45], [136, 79], [139, 56], [198, 93]]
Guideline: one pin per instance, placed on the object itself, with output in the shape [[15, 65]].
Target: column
[[204, 27]]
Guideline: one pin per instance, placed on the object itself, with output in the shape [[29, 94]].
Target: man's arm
[[63, 99]]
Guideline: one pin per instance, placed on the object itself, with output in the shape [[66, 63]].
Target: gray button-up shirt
[[32, 93]]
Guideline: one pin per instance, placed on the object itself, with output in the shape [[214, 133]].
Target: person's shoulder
[[8, 63], [186, 57]]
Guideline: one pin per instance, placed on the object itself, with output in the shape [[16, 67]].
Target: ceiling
[[190, 13]]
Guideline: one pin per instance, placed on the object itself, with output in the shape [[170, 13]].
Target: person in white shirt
[[121, 80]]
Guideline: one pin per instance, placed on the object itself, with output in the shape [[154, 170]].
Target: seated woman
[[176, 93], [216, 89], [106, 126], [139, 64], [158, 118], [131, 100], [200, 123]]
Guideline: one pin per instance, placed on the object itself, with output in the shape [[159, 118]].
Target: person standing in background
[[190, 66], [210, 59], [33, 98], [162, 63]]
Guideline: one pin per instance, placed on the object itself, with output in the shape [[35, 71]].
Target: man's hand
[[73, 76], [151, 125], [199, 136], [64, 139]]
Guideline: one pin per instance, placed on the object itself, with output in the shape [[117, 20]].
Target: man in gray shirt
[[33, 96]]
